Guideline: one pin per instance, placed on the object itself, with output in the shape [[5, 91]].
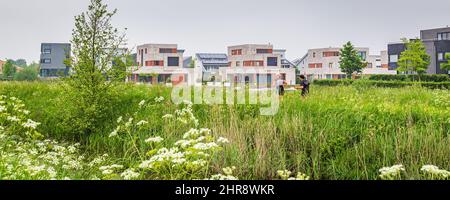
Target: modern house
[[210, 63], [52, 60], [323, 63], [437, 43], [256, 63], [162, 63]]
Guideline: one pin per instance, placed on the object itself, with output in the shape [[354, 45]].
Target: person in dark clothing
[[304, 85]]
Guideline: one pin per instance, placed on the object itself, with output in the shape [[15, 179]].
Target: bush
[[413, 77], [389, 84]]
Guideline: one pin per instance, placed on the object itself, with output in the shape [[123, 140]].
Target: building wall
[[323, 63], [246, 64], [151, 52], [249, 54], [434, 46], [58, 53]]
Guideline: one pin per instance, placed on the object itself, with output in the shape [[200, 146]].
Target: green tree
[[9, 69], [27, 74], [415, 58], [20, 62], [92, 82], [446, 66], [350, 62]]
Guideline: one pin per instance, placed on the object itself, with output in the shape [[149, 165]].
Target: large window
[[173, 61], [236, 52], [315, 65], [167, 50], [441, 56], [331, 54], [272, 61], [47, 51], [363, 55], [393, 58], [263, 51], [46, 61], [444, 36]]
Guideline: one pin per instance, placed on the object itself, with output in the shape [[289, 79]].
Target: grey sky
[[212, 25]]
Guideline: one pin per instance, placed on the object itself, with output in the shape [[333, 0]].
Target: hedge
[[411, 78], [392, 84]]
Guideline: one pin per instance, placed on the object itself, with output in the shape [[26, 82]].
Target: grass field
[[342, 132]]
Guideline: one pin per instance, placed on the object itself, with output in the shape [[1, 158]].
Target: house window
[[47, 51], [46, 61], [238, 63], [444, 36], [173, 61], [167, 50], [331, 54], [440, 56], [264, 51], [362, 55], [236, 52], [272, 61], [393, 58], [369, 65], [315, 65], [145, 50], [330, 65], [314, 54]]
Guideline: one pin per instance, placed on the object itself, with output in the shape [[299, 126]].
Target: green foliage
[[27, 74], [411, 77], [20, 62], [414, 58], [350, 62], [9, 69], [388, 84], [337, 132], [446, 66], [91, 86]]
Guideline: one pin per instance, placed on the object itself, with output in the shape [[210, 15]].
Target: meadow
[[337, 133]]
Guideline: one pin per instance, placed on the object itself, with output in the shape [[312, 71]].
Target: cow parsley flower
[[223, 140], [141, 123], [159, 99], [30, 124], [154, 140], [391, 173], [141, 103], [129, 174]]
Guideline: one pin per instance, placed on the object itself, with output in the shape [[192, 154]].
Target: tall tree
[[9, 69], [350, 62], [415, 58], [446, 66], [21, 63], [95, 45]]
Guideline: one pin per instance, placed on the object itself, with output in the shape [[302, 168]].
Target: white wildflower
[[391, 173], [154, 140], [129, 174], [141, 123], [159, 99], [13, 119], [141, 103], [222, 140]]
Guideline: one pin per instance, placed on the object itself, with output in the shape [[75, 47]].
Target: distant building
[[52, 60], [324, 63], [2, 63], [162, 63], [256, 63], [210, 63], [437, 43], [1, 66]]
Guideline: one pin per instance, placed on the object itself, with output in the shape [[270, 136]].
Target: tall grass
[[344, 132]]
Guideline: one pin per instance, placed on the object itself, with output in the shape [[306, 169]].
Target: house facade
[[162, 63], [53, 56], [323, 63], [256, 63], [437, 43], [210, 65]]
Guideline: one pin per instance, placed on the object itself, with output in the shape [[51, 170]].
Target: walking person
[[280, 85], [304, 85]]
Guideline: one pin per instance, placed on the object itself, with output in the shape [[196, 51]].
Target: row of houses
[[250, 63]]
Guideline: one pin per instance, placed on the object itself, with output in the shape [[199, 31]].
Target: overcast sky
[[212, 25]]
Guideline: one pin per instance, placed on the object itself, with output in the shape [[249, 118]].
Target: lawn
[[341, 132]]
